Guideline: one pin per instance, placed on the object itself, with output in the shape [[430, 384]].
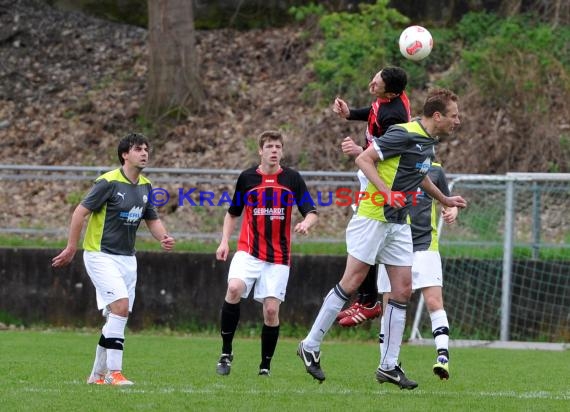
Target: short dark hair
[[437, 100], [395, 79], [127, 142], [270, 135]]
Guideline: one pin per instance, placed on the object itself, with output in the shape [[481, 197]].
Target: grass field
[[46, 371]]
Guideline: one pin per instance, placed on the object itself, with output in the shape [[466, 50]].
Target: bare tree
[[173, 84]]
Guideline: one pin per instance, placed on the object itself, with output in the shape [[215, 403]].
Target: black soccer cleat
[[312, 362], [224, 366], [395, 376]]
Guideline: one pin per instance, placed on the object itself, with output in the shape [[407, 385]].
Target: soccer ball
[[415, 43]]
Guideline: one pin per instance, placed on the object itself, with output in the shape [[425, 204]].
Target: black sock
[[269, 336], [230, 318]]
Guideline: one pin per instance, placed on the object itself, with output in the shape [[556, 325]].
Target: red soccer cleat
[[361, 314], [351, 310]]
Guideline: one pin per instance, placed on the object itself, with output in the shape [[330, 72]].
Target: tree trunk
[[173, 85]]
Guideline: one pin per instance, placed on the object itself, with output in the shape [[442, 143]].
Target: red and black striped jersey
[[382, 114], [268, 201]]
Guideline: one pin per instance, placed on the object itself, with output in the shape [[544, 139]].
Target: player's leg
[[269, 333], [114, 278], [270, 289], [366, 305], [397, 256], [440, 329], [241, 277], [363, 239], [114, 332], [99, 370], [427, 276], [309, 348], [383, 288]]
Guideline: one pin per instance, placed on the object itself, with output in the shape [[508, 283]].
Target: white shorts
[[114, 277], [270, 279], [372, 241], [426, 272]]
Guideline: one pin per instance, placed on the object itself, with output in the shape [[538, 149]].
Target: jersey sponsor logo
[[274, 213], [121, 195], [133, 215], [423, 167]]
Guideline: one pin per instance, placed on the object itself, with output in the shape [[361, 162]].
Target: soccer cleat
[[117, 378], [312, 362], [441, 367], [224, 366], [361, 314], [96, 380], [264, 372], [351, 310], [395, 376]]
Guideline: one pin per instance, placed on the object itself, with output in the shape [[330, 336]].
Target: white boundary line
[[494, 344]]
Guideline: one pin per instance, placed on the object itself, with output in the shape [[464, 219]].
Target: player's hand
[[341, 108], [397, 200], [223, 251], [455, 201], [350, 148], [449, 215], [64, 258], [167, 242], [302, 228]]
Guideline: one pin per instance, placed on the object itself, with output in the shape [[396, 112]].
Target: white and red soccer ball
[[415, 43]]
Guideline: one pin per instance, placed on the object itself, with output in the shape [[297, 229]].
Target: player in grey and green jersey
[[118, 206], [395, 163], [423, 215], [427, 273], [407, 151]]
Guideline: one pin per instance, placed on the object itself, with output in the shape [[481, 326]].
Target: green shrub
[[354, 47], [518, 59]]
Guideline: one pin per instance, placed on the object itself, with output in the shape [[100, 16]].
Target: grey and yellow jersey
[[117, 207], [406, 151], [424, 214]]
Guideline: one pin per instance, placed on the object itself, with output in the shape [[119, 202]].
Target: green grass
[[46, 370], [448, 250]]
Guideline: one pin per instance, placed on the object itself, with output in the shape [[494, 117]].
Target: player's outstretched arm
[[341, 108], [434, 192], [67, 254]]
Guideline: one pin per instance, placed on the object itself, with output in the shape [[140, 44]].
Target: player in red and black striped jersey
[[268, 201], [390, 107], [267, 193]]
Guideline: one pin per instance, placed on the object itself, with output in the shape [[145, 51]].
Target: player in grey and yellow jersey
[[395, 165], [118, 207], [426, 267], [116, 204]]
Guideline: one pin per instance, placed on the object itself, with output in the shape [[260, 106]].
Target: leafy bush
[[518, 60], [354, 47]]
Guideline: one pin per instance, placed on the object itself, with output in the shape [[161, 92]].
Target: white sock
[[381, 337], [332, 305], [394, 324], [100, 363], [440, 329], [115, 328]]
